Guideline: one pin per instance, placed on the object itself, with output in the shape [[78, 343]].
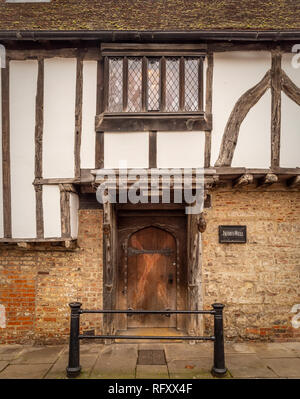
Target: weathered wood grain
[[243, 180], [152, 149], [38, 168], [65, 211], [276, 108], [6, 152], [78, 115]]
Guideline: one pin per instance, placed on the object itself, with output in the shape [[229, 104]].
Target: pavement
[[180, 360]]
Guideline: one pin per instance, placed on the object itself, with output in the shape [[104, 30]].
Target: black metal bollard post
[[74, 368], [219, 369]]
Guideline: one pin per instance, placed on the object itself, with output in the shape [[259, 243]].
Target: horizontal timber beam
[[145, 122]]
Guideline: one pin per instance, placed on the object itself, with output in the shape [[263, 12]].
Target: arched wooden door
[[151, 276]]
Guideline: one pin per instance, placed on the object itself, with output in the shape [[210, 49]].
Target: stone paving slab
[[87, 362], [285, 367], [25, 371], [3, 364], [294, 346], [272, 350], [239, 347], [116, 361], [188, 351], [36, 355], [248, 366], [10, 352], [199, 368], [152, 372]]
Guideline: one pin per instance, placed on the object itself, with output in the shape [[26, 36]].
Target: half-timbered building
[[90, 89]]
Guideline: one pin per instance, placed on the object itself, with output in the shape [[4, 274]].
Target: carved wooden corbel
[[202, 223]]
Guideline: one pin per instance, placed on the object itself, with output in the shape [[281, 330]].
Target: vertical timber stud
[[6, 152], [65, 211], [74, 368], [208, 107], [39, 121], [78, 116], [109, 261], [152, 149], [219, 369], [276, 108], [101, 106], [195, 300]]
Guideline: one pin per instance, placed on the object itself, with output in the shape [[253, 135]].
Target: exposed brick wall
[[259, 281], [36, 286]]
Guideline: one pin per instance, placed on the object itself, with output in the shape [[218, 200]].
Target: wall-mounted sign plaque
[[232, 234]]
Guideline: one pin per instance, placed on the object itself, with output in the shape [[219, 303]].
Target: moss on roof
[[151, 15]]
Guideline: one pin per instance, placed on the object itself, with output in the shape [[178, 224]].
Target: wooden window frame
[[161, 120]]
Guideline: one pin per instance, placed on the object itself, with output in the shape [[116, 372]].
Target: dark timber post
[[74, 368], [219, 369]]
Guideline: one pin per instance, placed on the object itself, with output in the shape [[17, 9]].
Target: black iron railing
[[218, 369]]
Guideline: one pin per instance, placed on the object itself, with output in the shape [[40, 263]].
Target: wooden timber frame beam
[[78, 114], [65, 190], [39, 121], [276, 108], [6, 180], [208, 107]]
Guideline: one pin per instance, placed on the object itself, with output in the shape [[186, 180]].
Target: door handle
[[170, 279], [167, 315]]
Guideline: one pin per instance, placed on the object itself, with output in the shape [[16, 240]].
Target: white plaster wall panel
[[1, 182], [290, 119], [89, 96], [22, 96], [287, 66], [74, 206], [131, 148], [180, 149], [59, 117], [51, 209], [290, 133], [234, 73], [253, 148]]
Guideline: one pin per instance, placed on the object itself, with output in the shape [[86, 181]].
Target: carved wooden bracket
[[202, 223]]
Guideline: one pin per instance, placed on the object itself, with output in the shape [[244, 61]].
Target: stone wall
[[36, 286], [259, 282]]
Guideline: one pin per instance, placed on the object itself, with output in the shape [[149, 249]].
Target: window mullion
[[125, 84], [144, 83], [200, 84], [106, 84], [181, 84], [163, 84]]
